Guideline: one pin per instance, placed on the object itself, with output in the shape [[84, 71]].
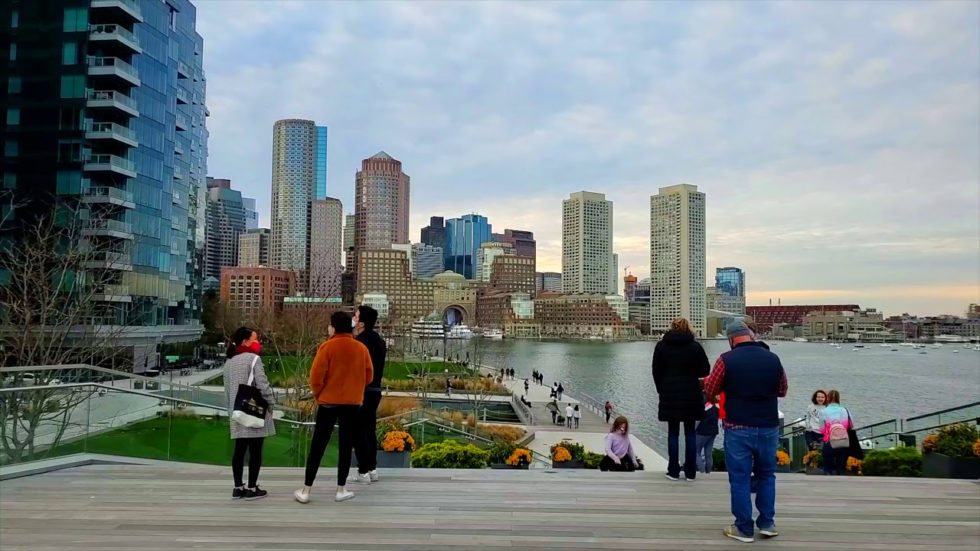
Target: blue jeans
[[703, 448], [747, 451], [673, 445]]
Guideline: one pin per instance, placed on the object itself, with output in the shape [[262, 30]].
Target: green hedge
[[894, 462], [450, 454], [499, 452]]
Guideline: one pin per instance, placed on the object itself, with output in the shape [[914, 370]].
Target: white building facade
[[677, 258]]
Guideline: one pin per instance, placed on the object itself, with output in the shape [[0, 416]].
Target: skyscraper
[[614, 284], [586, 244], [677, 257], [730, 282], [105, 125], [548, 282], [381, 205], [326, 247], [485, 256], [251, 214], [225, 222], [348, 238], [426, 260], [253, 248], [435, 233], [464, 235], [298, 174]]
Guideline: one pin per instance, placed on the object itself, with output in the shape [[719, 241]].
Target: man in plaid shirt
[[753, 379]]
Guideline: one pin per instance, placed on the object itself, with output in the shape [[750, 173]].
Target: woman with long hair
[[244, 364], [619, 450], [814, 419], [836, 442]]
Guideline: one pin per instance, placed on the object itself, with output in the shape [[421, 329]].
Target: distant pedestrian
[[679, 362], [836, 438], [619, 449], [707, 431], [527, 386], [560, 390], [244, 367], [578, 416], [609, 409], [814, 420], [569, 415], [753, 380], [449, 388], [554, 390]]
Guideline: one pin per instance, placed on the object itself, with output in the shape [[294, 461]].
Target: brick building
[[255, 289]]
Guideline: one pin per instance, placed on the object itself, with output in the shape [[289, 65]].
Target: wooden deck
[[179, 506]]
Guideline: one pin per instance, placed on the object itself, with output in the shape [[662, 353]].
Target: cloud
[[837, 143]]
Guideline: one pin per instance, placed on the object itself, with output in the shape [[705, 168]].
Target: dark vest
[[752, 376]]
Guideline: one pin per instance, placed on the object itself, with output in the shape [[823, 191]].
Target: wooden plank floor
[[178, 506]]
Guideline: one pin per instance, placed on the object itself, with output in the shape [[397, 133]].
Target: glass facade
[[730, 281], [321, 162], [464, 236]]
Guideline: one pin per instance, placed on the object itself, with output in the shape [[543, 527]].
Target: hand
[[616, 460]]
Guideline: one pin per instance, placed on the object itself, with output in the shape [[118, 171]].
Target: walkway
[[173, 506]]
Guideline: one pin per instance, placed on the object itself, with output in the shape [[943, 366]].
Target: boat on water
[[428, 329], [884, 345], [495, 334], [800, 339], [857, 346], [460, 331]]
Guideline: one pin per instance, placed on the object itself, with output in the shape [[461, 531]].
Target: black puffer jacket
[[678, 363]]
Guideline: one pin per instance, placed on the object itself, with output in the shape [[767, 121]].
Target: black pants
[[673, 451], [254, 448], [625, 464], [366, 446], [326, 417]]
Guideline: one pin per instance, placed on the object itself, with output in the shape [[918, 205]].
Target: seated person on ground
[[619, 449]]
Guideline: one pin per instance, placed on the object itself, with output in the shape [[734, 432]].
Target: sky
[[838, 143]]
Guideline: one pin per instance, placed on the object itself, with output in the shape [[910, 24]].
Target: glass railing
[[112, 95], [112, 62], [111, 30], [967, 413], [110, 128], [109, 225], [111, 160], [110, 192]]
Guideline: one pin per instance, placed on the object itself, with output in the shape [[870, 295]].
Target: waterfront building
[[853, 325], [464, 236], [426, 260], [225, 222], [486, 255], [973, 311], [253, 248], [255, 291], [768, 316], [677, 257], [935, 326], [326, 247], [581, 316], [386, 271], [730, 285], [381, 205], [434, 234], [105, 128], [549, 282], [586, 243], [511, 313], [251, 214], [522, 241], [513, 274], [380, 302], [629, 287], [639, 315], [614, 275], [454, 298]]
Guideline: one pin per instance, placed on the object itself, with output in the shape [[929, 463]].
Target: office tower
[[348, 238], [586, 244], [549, 282], [326, 247], [522, 241], [435, 233], [225, 222], [381, 205], [485, 255], [677, 263], [407, 249], [298, 175], [254, 292], [426, 260], [730, 285], [464, 236], [512, 273], [614, 275], [253, 248], [251, 214], [105, 129]]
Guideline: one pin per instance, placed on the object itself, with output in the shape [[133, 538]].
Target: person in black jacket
[[678, 364], [707, 431], [366, 444]]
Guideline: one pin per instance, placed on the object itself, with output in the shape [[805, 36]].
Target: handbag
[[250, 407], [854, 448]]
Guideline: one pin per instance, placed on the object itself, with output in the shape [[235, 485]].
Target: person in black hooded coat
[[679, 362]]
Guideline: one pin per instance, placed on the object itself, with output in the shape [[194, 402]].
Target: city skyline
[[842, 165]]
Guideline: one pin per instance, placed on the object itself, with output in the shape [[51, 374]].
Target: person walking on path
[[578, 416], [679, 362], [340, 373], [835, 435], [244, 367], [814, 420], [753, 380], [619, 449], [569, 415], [707, 431], [609, 409], [366, 447], [527, 386], [554, 390], [560, 390], [449, 388]]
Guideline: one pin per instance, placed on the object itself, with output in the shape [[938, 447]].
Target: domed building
[[454, 298]]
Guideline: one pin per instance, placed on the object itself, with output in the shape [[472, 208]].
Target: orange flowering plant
[[813, 459], [930, 442], [520, 456], [398, 441], [561, 455], [782, 458], [855, 465], [976, 448]]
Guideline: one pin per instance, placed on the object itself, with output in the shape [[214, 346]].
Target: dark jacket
[[379, 350], [709, 425], [752, 377], [678, 363]]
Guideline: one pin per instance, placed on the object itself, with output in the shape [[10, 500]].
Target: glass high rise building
[[464, 236], [730, 283], [105, 126], [321, 162]]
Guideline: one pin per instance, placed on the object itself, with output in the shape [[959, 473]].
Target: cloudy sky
[[838, 143]]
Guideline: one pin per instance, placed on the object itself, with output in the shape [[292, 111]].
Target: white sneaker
[[356, 478], [374, 475], [344, 496], [674, 478], [302, 496]]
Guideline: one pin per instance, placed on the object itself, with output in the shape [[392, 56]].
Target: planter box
[[506, 466], [568, 465], [394, 460], [937, 465], [782, 468], [814, 471]]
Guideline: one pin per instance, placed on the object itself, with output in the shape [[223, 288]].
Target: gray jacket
[[236, 373]]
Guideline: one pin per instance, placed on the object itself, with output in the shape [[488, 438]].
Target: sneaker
[[356, 478], [238, 493], [686, 479], [770, 532], [302, 496], [344, 496], [734, 533], [669, 477], [255, 493], [374, 475]]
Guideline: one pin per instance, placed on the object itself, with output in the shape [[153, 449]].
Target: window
[[69, 53], [10, 148], [13, 85], [69, 182], [9, 180], [13, 115], [72, 86], [14, 19], [76, 20], [13, 51]]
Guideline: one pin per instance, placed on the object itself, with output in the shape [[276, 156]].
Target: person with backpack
[[244, 367], [560, 389], [836, 437], [707, 431]]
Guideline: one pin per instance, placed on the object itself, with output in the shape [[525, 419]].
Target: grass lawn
[[197, 440], [399, 370], [279, 369]]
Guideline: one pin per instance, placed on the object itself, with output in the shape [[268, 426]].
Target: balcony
[[182, 123], [178, 149], [107, 228], [182, 97], [110, 131], [111, 99], [126, 9], [108, 260], [112, 35], [110, 196], [111, 163], [112, 293], [113, 67], [178, 173], [183, 70]]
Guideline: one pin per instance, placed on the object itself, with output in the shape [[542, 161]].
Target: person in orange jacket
[[341, 371]]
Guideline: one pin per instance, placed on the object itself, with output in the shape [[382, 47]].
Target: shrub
[[929, 443], [718, 459], [506, 433], [976, 448], [782, 457], [592, 460], [398, 441], [576, 450], [520, 456], [393, 405], [813, 459], [385, 427], [499, 452], [450, 454], [854, 465], [956, 440], [895, 462], [560, 454]]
